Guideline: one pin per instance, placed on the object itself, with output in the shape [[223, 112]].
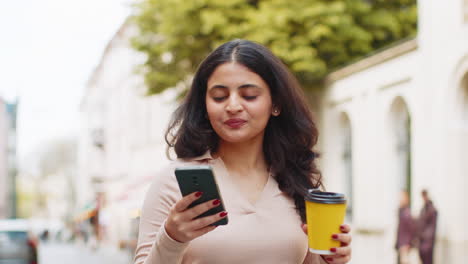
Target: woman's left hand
[[343, 253]]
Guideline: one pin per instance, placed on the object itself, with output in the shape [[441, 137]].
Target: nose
[[234, 105]]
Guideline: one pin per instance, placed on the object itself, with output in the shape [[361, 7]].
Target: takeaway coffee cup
[[325, 212]]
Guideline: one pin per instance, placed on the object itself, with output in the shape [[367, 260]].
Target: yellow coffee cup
[[325, 212]]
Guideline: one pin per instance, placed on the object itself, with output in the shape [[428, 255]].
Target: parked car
[[17, 244]]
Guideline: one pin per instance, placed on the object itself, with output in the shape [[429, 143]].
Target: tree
[[312, 37]]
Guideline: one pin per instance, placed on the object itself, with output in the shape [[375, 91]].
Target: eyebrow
[[244, 86]]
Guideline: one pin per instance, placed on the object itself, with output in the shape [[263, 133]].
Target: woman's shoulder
[[166, 172]]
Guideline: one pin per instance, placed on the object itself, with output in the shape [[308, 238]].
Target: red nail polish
[[216, 202], [329, 259], [223, 214], [333, 249], [342, 227], [335, 236], [198, 194]]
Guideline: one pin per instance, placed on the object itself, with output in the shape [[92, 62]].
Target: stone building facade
[[8, 164], [398, 120], [121, 144]]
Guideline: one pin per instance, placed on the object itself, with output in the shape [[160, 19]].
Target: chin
[[238, 136], [237, 139], [233, 139]]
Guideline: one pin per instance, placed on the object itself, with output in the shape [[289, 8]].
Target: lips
[[235, 122]]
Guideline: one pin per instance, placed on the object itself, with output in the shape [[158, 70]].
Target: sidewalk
[[79, 253]]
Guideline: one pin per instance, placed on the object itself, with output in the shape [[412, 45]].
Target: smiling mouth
[[235, 123]]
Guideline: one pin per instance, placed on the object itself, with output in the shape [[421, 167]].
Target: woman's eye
[[219, 98], [249, 98]]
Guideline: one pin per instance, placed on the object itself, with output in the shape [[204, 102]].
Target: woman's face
[[238, 103], [404, 199]]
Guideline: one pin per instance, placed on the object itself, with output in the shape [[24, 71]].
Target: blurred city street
[[88, 90], [75, 253]]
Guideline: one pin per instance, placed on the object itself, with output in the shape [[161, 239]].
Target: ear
[[275, 111]]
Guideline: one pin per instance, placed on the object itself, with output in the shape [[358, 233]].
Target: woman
[[246, 116], [405, 230], [427, 225]]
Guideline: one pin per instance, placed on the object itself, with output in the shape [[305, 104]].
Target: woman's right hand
[[181, 224]]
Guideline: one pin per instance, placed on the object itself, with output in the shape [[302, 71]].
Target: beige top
[[268, 231]]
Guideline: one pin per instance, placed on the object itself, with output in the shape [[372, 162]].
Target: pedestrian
[[406, 229], [427, 223], [45, 235], [245, 115]]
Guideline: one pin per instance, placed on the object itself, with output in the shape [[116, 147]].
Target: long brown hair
[[289, 138]]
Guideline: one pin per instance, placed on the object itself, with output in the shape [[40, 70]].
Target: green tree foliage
[[311, 36]]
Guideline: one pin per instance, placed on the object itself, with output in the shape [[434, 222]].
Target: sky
[[48, 50]]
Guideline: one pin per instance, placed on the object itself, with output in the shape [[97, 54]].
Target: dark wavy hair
[[289, 138]]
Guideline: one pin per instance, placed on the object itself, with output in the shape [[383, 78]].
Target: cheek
[[212, 111], [261, 111], [209, 107]]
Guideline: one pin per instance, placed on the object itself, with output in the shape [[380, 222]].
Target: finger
[[341, 251], [207, 220], [345, 228], [184, 203], [304, 228], [337, 259], [343, 238], [192, 213]]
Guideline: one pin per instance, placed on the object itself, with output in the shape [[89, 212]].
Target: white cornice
[[379, 57]]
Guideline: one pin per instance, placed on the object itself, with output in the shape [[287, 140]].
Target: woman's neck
[[243, 157]]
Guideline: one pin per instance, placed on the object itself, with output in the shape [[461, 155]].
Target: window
[[402, 145], [465, 10], [403, 150], [347, 163], [464, 112]]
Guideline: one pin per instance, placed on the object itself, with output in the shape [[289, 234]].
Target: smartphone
[[201, 179]]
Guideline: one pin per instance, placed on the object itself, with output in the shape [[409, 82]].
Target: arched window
[[401, 145], [461, 143], [465, 10], [347, 162], [464, 102]]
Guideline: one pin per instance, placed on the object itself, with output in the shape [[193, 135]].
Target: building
[[4, 181], [399, 120], [121, 144], [8, 166], [396, 119]]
